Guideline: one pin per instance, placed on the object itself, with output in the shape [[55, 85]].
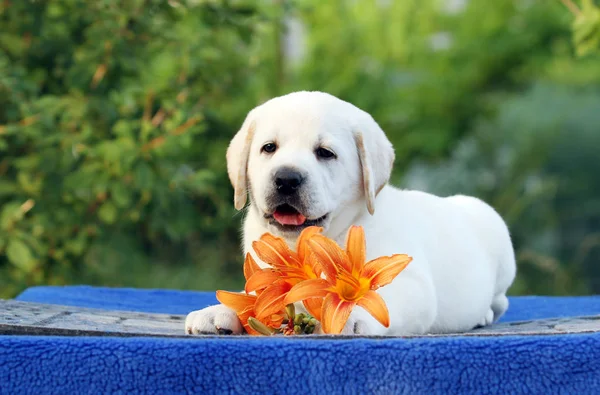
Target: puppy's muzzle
[[288, 181]]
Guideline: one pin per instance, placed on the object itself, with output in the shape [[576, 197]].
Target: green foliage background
[[115, 117]]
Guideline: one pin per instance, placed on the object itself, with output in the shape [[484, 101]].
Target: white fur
[[463, 259]]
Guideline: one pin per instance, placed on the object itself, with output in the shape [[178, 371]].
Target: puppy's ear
[[237, 161], [376, 156]]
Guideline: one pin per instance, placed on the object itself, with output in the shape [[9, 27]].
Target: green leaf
[[144, 176], [108, 213], [8, 188], [29, 183], [586, 29], [19, 254], [120, 195], [36, 244], [9, 215], [77, 245], [29, 162]]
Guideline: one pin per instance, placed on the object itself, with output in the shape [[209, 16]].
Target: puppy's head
[[305, 158]]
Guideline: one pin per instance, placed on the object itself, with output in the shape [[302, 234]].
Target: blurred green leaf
[[120, 195], [586, 28], [108, 212], [7, 188], [19, 254], [9, 214], [144, 176]]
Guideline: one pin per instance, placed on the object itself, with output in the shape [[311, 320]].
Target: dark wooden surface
[[45, 319], [24, 318]]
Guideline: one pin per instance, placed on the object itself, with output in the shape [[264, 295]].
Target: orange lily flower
[[349, 281], [244, 304], [288, 269]]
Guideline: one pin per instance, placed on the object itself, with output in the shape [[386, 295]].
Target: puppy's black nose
[[288, 180]]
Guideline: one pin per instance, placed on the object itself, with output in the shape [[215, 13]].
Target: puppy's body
[[463, 260]]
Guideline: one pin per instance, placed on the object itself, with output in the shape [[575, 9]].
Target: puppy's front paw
[[218, 319]]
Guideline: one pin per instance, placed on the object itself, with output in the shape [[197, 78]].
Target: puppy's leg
[[412, 303], [217, 319], [487, 320], [499, 306]]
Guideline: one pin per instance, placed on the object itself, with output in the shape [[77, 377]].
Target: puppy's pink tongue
[[289, 218]]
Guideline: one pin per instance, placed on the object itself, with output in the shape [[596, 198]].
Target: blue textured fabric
[[129, 299], [568, 364]]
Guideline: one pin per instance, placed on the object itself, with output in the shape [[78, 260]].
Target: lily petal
[[313, 306], [235, 300], [315, 265], [316, 288], [261, 280], [375, 305], [243, 316], [329, 255], [275, 252], [356, 248], [302, 245], [273, 321], [294, 274], [335, 314], [250, 266], [382, 271], [270, 301]]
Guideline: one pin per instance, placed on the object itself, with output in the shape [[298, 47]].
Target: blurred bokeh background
[[115, 117]]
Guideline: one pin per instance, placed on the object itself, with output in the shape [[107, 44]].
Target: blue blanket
[[567, 364]]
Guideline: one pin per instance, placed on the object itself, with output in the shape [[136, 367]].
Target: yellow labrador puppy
[[308, 158]]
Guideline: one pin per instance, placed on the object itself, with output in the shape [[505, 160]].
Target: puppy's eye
[[269, 148], [324, 153]]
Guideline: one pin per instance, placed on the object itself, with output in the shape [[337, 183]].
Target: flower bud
[[290, 310], [298, 319], [260, 327]]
